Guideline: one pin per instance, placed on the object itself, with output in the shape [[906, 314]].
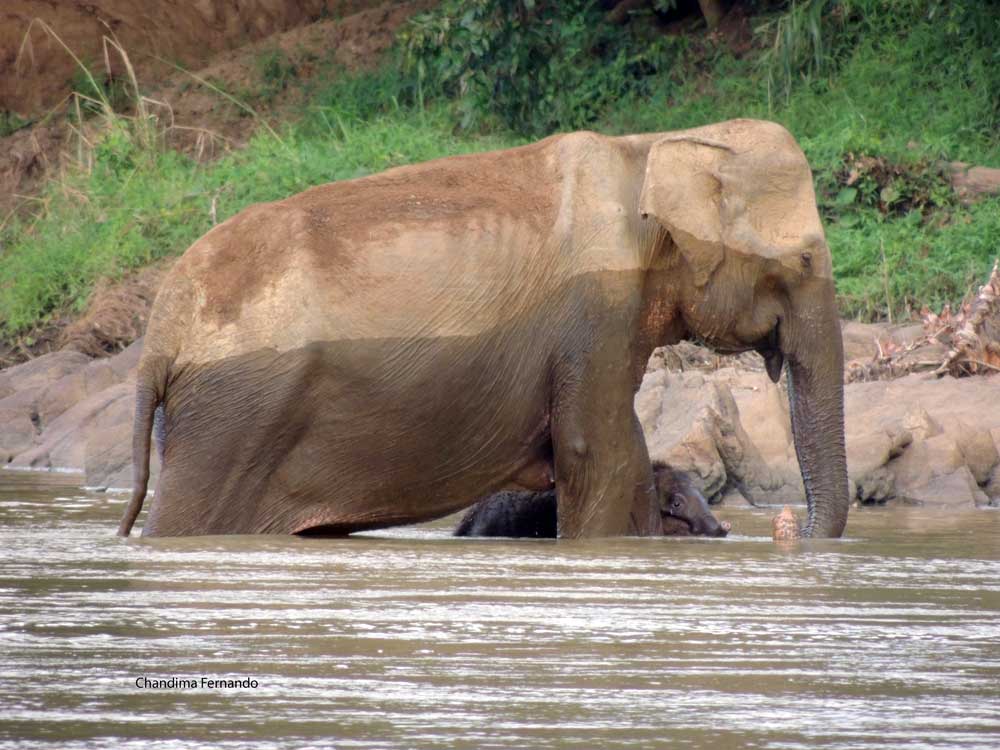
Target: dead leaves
[[966, 342], [974, 332]]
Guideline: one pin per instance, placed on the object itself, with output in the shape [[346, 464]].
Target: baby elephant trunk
[[709, 525]]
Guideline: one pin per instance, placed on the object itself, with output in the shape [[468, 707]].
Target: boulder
[[18, 423], [126, 363], [40, 371], [978, 451], [941, 450], [63, 444], [933, 472], [17, 435], [915, 439], [868, 455], [920, 424], [71, 389], [93, 437], [694, 425], [859, 339], [991, 487], [40, 391], [764, 411]]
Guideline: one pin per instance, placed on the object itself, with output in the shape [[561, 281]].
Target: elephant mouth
[[769, 347]]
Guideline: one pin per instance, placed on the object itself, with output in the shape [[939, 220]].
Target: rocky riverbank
[[917, 439]]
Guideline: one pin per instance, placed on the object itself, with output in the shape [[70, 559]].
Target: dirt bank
[[232, 51], [38, 72], [196, 120]]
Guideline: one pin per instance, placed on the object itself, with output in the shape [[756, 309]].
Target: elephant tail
[[149, 392]]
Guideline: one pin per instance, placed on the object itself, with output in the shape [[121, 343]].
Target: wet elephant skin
[[378, 351], [335, 438]]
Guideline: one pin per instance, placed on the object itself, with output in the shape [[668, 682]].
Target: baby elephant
[[683, 511]]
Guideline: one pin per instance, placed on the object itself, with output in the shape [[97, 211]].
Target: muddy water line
[[412, 639]]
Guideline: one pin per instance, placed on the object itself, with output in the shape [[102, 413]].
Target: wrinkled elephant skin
[[381, 351]]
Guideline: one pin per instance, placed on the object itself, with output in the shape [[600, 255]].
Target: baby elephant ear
[[683, 192]]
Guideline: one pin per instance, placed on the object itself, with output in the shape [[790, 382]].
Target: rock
[[40, 371], [916, 439], [94, 437], [860, 338], [867, 456], [108, 445], [126, 363], [920, 424], [63, 444], [18, 434], [875, 487], [764, 412], [992, 486], [979, 452], [41, 390], [694, 425], [933, 472], [971, 182], [71, 389], [18, 423], [954, 490]]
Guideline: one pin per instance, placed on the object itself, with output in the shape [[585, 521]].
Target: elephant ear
[[742, 186], [683, 192]]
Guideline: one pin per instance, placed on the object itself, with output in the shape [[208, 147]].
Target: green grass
[[910, 90], [10, 122], [924, 92], [136, 207]]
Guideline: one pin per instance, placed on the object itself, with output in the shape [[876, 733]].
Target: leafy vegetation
[[878, 93], [533, 68], [276, 73]]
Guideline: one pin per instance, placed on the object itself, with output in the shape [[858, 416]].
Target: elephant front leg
[[604, 481]]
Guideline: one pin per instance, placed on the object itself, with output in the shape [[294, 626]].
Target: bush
[[533, 67]]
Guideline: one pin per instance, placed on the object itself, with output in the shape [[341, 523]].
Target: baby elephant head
[[683, 509]]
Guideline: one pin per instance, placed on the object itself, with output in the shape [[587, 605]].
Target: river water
[[412, 639]]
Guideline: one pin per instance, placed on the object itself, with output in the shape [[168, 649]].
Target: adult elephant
[[381, 351]]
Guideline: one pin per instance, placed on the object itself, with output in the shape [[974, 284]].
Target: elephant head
[[741, 231]]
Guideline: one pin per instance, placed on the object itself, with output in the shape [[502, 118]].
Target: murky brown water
[[412, 639]]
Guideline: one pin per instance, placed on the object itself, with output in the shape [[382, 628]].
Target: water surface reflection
[[412, 639]]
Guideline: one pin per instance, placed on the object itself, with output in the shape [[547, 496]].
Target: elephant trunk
[[815, 356]]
